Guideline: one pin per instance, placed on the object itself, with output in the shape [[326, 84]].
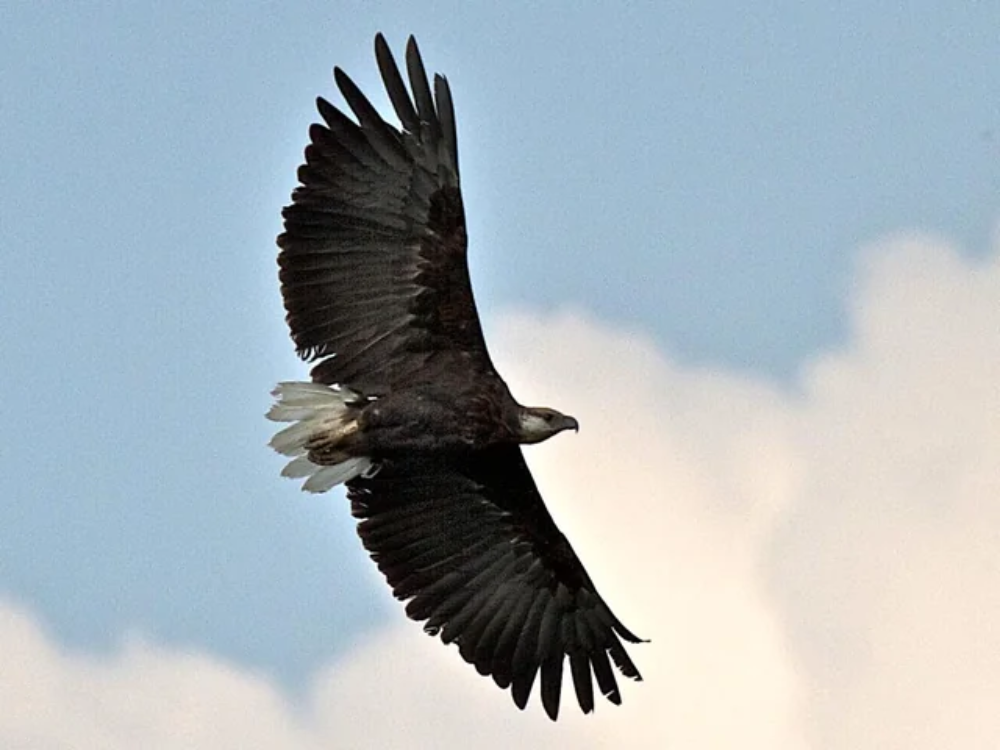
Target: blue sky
[[702, 174]]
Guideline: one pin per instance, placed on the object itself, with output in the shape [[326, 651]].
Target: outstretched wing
[[472, 547], [373, 257]]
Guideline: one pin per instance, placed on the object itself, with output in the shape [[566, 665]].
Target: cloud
[[394, 692], [145, 696], [818, 569], [888, 565]]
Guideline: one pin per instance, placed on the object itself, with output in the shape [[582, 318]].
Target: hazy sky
[[752, 247]]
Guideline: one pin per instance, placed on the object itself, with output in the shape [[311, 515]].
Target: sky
[[754, 249]]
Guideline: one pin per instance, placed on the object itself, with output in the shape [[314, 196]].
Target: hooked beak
[[568, 423]]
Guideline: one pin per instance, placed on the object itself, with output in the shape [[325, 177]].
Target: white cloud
[[145, 697], [817, 570], [888, 566]]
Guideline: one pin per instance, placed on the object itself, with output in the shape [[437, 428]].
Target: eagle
[[406, 408]]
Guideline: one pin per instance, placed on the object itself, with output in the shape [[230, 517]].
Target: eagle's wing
[[472, 547], [373, 258]]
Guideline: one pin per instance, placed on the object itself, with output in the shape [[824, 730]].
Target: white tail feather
[[298, 468], [330, 476], [291, 441], [313, 408]]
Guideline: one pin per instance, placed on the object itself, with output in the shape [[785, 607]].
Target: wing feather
[[376, 229], [395, 87], [446, 111], [383, 138], [524, 666], [503, 654], [468, 542], [421, 90]]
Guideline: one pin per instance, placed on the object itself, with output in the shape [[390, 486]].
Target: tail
[[319, 413]]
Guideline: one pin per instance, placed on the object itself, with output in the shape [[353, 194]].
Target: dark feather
[[552, 669], [421, 91], [470, 544], [580, 667], [395, 87], [605, 675], [379, 211]]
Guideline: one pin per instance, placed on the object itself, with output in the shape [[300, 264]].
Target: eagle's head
[[537, 423]]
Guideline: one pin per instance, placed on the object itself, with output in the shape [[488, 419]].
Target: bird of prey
[[406, 408]]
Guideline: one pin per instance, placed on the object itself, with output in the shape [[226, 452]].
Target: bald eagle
[[406, 408]]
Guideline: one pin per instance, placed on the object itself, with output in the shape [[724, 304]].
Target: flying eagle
[[407, 409]]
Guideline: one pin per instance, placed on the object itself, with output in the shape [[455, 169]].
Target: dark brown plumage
[[372, 259], [418, 422]]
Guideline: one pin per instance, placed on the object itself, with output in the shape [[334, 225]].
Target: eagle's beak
[[570, 424]]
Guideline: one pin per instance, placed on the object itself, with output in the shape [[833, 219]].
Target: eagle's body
[[407, 409], [442, 416]]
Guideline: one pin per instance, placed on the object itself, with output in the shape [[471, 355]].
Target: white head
[[537, 423]]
